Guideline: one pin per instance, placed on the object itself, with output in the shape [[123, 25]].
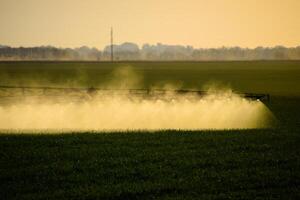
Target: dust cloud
[[219, 109]]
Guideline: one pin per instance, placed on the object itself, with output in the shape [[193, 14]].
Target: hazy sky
[[201, 23]]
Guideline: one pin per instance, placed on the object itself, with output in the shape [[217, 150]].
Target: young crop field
[[273, 77], [166, 164]]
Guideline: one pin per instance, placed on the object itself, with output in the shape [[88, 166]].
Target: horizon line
[[151, 44]]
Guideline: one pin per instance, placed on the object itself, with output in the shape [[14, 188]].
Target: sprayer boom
[[19, 91]]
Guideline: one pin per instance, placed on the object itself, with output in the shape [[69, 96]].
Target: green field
[[273, 77], [236, 164]]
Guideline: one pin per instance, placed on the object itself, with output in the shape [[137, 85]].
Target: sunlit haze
[[200, 23]]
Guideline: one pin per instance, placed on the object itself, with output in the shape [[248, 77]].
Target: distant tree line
[[160, 52]]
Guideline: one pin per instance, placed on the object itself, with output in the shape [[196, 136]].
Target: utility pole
[[111, 44]]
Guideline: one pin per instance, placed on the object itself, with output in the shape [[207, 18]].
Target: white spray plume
[[217, 110]]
